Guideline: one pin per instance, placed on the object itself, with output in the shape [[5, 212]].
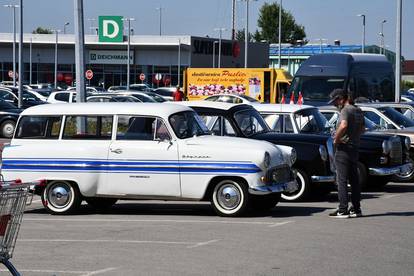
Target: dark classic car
[[314, 169], [9, 114], [381, 156]]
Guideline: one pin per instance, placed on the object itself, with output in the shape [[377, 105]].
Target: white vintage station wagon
[[102, 152]]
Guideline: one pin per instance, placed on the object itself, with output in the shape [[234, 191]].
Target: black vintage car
[[313, 166], [8, 118], [380, 155]]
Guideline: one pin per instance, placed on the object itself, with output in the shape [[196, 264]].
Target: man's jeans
[[346, 162]]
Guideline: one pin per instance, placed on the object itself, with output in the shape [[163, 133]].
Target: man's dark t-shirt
[[355, 119]]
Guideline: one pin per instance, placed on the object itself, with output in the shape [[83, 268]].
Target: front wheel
[[7, 128], [230, 198], [303, 190], [61, 197]]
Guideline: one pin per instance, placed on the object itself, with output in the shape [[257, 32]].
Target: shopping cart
[[14, 196]]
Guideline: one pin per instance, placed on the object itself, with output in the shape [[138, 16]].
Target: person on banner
[[347, 138], [178, 95]]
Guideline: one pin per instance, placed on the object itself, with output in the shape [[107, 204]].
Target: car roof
[[151, 109], [285, 108], [209, 104], [383, 104]]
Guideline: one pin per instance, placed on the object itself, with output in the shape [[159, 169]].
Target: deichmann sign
[[111, 29], [110, 57]]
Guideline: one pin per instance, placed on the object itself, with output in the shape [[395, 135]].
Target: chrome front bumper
[[323, 178], [391, 170], [275, 188]]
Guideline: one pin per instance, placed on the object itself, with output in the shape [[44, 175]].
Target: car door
[[142, 159]]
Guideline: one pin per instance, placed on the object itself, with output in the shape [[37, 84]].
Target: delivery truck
[[264, 84]]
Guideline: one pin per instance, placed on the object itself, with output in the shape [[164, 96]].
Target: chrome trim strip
[[391, 170], [276, 188], [323, 178]]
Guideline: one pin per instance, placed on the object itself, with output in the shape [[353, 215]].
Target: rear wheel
[[230, 198], [7, 128], [303, 190], [61, 197], [101, 203]]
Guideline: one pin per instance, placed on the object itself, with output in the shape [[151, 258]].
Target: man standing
[[178, 95], [347, 139]]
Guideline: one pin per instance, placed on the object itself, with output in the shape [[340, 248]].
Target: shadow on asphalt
[[399, 188], [391, 214]]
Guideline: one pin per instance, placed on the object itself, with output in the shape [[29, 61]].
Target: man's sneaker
[[355, 213], [339, 214]]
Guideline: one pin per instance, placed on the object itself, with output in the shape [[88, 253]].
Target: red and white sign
[[89, 74], [142, 76], [158, 76]]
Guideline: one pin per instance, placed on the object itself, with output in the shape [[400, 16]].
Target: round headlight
[[266, 160], [386, 147], [323, 152], [407, 142], [293, 156]]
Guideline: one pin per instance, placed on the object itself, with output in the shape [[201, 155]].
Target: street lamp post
[[79, 52], [14, 40], [21, 74], [179, 63], [280, 34], [56, 55], [246, 34], [363, 32], [30, 61], [398, 52], [220, 30], [214, 53], [64, 27], [382, 50], [128, 50], [160, 9]]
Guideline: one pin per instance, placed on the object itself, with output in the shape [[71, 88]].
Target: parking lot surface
[[158, 238]]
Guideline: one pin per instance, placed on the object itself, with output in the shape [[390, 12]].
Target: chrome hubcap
[[8, 129], [228, 196], [59, 196]]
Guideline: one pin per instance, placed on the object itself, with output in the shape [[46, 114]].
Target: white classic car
[[102, 152]]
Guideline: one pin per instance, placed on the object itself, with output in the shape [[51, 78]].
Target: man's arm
[[340, 132]]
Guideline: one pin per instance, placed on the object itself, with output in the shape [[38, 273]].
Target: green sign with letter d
[[111, 29]]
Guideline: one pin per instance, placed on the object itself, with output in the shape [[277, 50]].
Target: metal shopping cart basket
[[14, 196]]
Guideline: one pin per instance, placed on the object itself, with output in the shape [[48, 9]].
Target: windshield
[[188, 124], [395, 116], [315, 88], [311, 121], [250, 122], [6, 105], [250, 99]]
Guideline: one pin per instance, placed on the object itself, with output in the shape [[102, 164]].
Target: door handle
[[117, 151]]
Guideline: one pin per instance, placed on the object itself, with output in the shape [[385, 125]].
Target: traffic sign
[[142, 76], [89, 74], [158, 76]]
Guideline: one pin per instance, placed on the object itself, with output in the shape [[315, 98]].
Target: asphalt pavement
[[186, 238]]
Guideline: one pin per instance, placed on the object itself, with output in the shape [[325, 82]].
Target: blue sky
[[328, 19]]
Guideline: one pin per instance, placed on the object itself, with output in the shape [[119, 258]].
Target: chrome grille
[[396, 153], [280, 174]]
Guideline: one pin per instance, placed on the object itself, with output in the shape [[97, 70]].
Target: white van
[[102, 152]]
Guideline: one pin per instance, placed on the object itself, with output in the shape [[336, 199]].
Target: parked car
[[314, 152], [62, 97], [89, 89], [230, 98], [10, 94], [116, 88], [140, 87], [144, 97], [9, 114], [114, 98], [382, 154], [158, 151], [165, 92]]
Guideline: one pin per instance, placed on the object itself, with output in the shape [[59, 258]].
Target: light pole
[[64, 27], [398, 51], [14, 40], [363, 32], [214, 53], [220, 30], [160, 9], [56, 55], [280, 34], [179, 62], [79, 52], [30, 61], [91, 27], [128, 49], [21, 74], [382, 50], [246, 34]]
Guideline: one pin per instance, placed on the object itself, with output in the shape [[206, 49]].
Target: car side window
[[378, 120], [288, 124], [88, 127], [39, 127], [161, 131], [273, 121], [6, 95], [62, 97], [141, 128], [228, 129]]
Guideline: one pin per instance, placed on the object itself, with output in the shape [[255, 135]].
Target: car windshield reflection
[[188, 124], [250, 122]]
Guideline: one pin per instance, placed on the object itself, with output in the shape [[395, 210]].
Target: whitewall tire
[[230, 198], [61, 197]]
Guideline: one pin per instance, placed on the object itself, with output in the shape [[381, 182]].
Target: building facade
[[156, 57]]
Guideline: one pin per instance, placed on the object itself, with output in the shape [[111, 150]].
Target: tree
[[240, 35], [268, 24], [40, 30]]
